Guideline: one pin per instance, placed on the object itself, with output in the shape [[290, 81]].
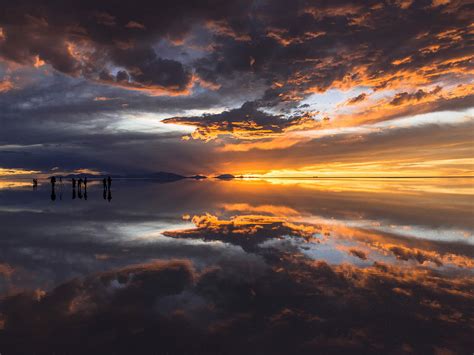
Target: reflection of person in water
[[85, 192], [74, 193], [85, 183], [79, 193], [107, 192], [53, 189]]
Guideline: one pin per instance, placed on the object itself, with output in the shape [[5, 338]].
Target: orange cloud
[[271, 209], [12, 172], [251, 228], [282, 36], [244, 123], [6, 85], [222, 28], [403, 104]]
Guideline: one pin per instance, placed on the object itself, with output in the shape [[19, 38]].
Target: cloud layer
[[254, 75]]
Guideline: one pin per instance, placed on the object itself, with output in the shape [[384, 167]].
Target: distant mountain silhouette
[[159, 176], [225, 177]]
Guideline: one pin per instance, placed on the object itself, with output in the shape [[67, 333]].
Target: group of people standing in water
[[81, 184]]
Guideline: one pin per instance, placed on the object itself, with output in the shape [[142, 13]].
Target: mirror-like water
[[279, 266]]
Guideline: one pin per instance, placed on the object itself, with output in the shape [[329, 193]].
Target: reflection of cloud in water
[[323, 240], [237, 267], [297, 306]]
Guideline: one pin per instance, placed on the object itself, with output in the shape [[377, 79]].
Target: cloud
[[405, 97], [284, 44], [5, 85], [357, 99], [173, 59], [246, 123], [83, 41]]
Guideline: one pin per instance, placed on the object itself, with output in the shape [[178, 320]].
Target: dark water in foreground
[[239, 267]]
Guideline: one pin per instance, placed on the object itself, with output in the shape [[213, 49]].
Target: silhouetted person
[[104, 193], [85, 182], [79, 184], [53, 181], [104, 183], [35, 184], [60, 180], [79, 193], [109, 195], [109, 182], [73, 183]]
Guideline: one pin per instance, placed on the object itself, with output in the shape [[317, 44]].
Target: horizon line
[[242, 177]]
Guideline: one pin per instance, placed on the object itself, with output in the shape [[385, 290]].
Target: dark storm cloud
[[301, 47], [246, 122], [87, 39], [60, 121]]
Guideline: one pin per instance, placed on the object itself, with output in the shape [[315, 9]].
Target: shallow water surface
[[242, 266]]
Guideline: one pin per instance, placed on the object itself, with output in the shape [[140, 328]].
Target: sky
[[254, 87]]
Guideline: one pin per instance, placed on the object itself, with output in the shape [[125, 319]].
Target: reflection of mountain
[[198, 177], [225, 177]]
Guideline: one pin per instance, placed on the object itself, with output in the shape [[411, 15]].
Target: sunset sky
[[255, 87]]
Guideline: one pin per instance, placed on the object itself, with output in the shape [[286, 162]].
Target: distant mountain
[[159, 176], [225, 177]]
